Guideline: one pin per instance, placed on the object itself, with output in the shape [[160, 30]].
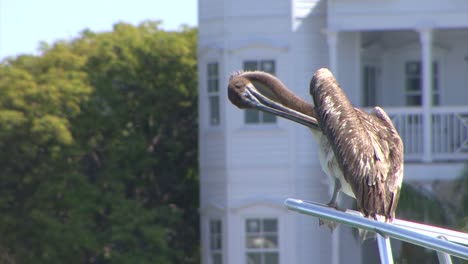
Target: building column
[[332, 41], [425, 38]]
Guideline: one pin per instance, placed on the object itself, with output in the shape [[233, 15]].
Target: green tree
[[145, 150], [99, 140], [39, 98], [424, 207]]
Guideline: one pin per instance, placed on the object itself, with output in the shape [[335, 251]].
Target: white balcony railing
[[448, 134]]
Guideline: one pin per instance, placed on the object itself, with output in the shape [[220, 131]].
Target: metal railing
[[446, 242]]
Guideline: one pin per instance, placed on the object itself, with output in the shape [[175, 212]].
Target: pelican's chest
[[330, 165]]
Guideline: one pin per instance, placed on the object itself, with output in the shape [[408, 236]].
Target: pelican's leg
[[336, 190]]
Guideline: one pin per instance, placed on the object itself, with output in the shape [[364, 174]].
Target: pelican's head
[[240, 92], [243, 94]]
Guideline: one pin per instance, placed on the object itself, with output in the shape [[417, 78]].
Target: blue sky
[[24, 23]]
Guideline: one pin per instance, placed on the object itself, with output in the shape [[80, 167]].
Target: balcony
[[444, 139]]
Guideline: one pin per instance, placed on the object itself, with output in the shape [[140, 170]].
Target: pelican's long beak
[[265, 104]]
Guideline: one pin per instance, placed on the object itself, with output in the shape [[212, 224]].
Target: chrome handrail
[[436, 238]]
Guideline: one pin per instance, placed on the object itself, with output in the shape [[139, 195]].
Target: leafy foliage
[[431, 208], [462, 187], [99, 144]]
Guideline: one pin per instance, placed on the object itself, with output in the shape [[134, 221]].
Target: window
[[261, 241], [413, 86], [213, 93], [253, 116], [369, 86], [216, 245]]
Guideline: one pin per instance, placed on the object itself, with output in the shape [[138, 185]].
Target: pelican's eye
[[239, 85]]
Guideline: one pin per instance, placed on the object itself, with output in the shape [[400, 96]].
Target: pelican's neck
[[284, 94]]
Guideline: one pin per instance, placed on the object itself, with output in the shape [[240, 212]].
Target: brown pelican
[[361, 153]]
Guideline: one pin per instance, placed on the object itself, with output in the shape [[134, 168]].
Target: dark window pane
[[268, 118], [214, 110], [213, 99], [255, 241], [252, 116], [435, 68], [217, 258], [435, 84], [254, 258], [259, 241], [215, 235], [413, 67], [213, 69], [270, 225], [435, 99], [369, 85], [215, 226], [271, 258], [250, 65], [268, 66], [252, 225], [270, 241], [413, 84], [213, 85], [210, 69], [413, 100], [214, 242]]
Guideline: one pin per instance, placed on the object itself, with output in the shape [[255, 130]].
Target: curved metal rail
[[444, 241]]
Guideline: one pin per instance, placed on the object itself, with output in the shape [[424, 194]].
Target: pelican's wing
[[394, 156], [394, 146]]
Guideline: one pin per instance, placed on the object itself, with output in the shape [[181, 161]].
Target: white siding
[[212, 150], [258, 8], [397, 14], [210, 9], [305, 8], [213, 187], [260, 148], [306, 151]]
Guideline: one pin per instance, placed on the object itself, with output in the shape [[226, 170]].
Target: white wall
[[349, 65], [396, 14], [455, 77]]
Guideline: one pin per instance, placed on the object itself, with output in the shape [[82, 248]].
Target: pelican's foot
[[335, 206], [330, 224], [365, 235]]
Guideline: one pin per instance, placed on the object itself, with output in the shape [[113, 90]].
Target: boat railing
[[445, 242]]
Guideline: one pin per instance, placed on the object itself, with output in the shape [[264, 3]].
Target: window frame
[[261, 233], [213, 94], [416, 76], [213, 248], [253, 117], [370, 84]]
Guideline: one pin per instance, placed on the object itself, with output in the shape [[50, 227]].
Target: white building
[[411, 57]]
